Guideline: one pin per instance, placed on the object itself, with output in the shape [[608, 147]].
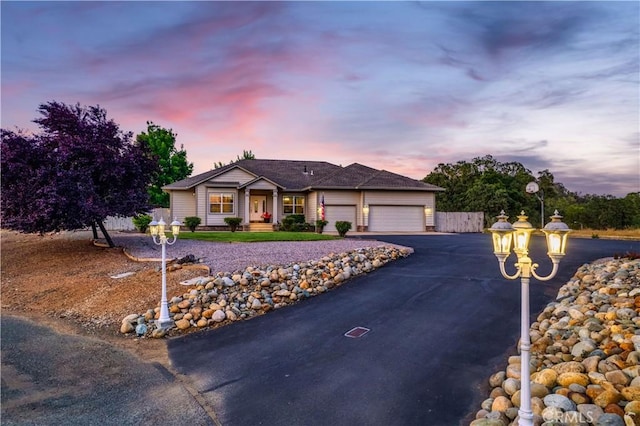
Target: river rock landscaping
[[227, 297], [585, 354]]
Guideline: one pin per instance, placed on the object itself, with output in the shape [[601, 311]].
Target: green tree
[[606, 211], [487, 185], [484, 184], [246, 155], [632, 206], [173, 164]]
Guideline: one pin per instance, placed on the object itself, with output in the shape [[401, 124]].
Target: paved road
[[441, 322], [50, 378]]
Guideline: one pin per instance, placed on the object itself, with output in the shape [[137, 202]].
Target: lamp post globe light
[[519, 234], [157, 230]]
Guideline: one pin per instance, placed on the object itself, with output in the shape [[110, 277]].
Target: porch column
[[275, 206], [247, 205]]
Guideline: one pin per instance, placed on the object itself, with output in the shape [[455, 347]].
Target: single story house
[[372, 200]]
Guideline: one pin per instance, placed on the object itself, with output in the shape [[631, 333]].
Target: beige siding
[[201, 204], [183, 204], [430, 209], [344, 198], [234, 175], [340, 197], [397, 198], [313, 202], [362, 220], [262, 184]]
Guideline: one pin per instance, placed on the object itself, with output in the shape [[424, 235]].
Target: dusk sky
[[399, 86]]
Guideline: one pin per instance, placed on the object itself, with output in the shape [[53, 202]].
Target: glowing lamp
[[161, 226], [557, 233], [175, 226], [522, 235], [502, 233], [153, 228]]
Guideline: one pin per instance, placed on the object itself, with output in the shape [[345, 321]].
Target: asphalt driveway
[[441, 321]]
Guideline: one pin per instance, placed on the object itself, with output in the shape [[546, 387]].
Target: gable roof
[[296, 175]]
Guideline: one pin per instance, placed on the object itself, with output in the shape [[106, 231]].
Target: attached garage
[[396, 219], [334, 214]]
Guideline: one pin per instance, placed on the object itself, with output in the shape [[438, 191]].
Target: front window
[[293, 204], [221, 203]]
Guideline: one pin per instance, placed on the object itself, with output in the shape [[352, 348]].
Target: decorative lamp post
[[157, 230], [519, 233]]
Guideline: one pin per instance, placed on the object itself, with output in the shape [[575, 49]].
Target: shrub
[[302, 227], [320, 224], [233, 222], [141, 222], [192, 222], [295, 223], [342, 226]]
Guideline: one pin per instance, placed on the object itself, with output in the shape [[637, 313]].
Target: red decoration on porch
[[322, 208]]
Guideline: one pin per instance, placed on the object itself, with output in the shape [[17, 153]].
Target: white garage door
[[396, 219], [336, 213]]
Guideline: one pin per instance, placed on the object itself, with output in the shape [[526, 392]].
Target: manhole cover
[[356, 332]]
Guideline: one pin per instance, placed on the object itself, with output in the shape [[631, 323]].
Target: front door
[[257, 208]]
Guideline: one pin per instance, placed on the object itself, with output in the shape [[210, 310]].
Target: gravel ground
[[231, 257]]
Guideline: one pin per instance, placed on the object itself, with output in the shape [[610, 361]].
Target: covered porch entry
[[261, 205]]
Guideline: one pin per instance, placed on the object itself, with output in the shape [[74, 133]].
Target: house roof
[[296, 175], [359, 176]]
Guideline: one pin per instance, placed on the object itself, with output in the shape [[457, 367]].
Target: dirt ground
[[65, 282]]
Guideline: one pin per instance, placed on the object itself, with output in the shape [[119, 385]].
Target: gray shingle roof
[[296, 175], [363, 177]]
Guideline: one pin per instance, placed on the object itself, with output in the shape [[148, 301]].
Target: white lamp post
[[157, 230], [504, 234]]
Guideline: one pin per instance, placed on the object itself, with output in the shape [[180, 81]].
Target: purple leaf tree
[[78, 170]]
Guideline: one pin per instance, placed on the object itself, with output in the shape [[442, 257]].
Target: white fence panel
[[459, 222], [114, 223]]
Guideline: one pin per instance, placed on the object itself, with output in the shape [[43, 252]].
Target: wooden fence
[[113, 223], [459, 221]]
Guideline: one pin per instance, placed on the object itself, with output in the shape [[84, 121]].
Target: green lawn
[[252, 237]]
